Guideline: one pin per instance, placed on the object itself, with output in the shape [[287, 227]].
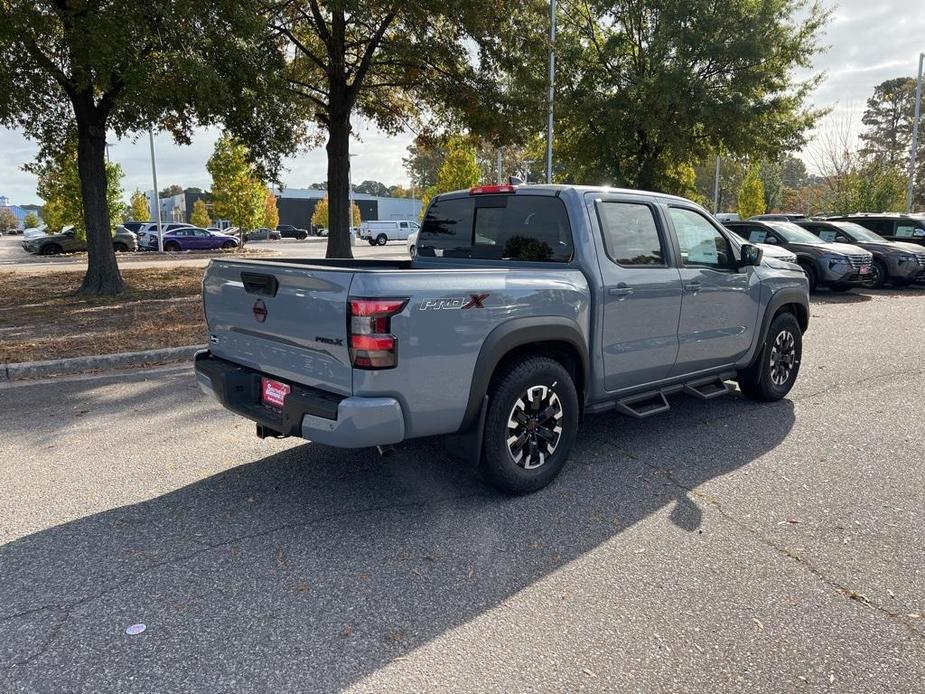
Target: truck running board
[[643, 405], [706, 390]]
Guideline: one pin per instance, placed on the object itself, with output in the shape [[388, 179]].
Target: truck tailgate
[[284, 320]]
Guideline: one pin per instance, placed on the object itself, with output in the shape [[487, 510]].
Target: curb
[[76, 365]]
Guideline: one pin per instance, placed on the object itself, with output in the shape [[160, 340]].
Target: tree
[[322, 210], [82, 69], [646, 85], [751, 196], [888, 120], [770, 173], [392, 60], [399, 191], [139, 209], [372, 188], [271, 212], [459, 169], [200, 215], [8, 220], [59, 185], [30, 221], [237, 192], [171, 190]]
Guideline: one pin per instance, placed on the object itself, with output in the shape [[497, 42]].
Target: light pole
[[552, 89], [716, 188], [915, 135], [157, 197]]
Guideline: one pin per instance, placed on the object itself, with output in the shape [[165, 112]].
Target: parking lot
[[725, 545], [13, 258]]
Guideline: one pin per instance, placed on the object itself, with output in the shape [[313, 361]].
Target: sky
[[868, 42]]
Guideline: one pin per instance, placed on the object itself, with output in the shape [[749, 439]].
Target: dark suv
[[834, 265], [895, 262], [892, 227]]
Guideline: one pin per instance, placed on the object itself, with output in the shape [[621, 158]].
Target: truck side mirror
[[751, 255]]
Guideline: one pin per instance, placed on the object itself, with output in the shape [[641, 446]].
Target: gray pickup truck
[[525, 308]]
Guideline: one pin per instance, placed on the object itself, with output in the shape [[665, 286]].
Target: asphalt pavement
[[723, 546]]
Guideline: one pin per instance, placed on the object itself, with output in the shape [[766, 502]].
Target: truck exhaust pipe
[[385, 451]]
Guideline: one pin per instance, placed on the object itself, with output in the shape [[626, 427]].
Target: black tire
[[171, 246], [228, 245], [810, 272], [51, 249], [119, 247], [768, 378], [413, 251], [878, 275], [302, 235], [549, 381], [382, 239], [372, 242]]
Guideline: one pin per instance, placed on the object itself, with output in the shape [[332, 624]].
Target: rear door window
[[631, 235], [498, 227]]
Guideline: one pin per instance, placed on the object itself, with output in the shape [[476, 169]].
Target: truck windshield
[[497, 227]]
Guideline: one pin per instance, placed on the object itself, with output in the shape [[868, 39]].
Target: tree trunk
[[103, 275], [339, 213]]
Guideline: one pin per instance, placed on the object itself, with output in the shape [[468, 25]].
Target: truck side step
[[643, 405], [706, 390]]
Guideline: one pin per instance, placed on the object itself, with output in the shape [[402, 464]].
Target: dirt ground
[[41, 317]]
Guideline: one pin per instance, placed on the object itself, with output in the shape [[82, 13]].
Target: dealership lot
[[723, 545]]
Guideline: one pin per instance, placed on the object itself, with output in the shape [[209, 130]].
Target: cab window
[[701, 243], [631, 236]]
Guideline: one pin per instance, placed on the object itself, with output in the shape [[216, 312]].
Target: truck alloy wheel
[[534, 427], [783, 357]]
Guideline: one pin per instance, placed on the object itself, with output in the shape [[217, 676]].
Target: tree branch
[[371, 47]]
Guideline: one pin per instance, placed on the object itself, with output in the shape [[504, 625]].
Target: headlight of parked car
[[908, 258], [834, 260]]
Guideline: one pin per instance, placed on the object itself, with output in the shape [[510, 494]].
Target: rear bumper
[[312, 413]]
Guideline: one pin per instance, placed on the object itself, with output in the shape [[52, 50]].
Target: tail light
[[492, 190], [371, 344]]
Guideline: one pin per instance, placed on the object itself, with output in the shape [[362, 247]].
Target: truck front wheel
[[774, 371], [530, 425]]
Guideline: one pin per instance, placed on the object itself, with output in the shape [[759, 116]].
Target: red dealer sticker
[[273, 393]]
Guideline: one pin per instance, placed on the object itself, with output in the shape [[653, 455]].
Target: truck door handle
[[621, 291]]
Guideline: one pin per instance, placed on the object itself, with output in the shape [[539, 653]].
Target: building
[[296, 206], [20, 211]]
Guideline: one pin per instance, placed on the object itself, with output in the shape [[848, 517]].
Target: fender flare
[[782, 297], [510, 335]]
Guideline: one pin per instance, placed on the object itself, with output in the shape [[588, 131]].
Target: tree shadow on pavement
[[313, 568]]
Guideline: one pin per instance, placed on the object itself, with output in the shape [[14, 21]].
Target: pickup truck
[[525, 308]]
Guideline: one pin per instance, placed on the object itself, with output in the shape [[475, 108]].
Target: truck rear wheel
[[774, 371], [530, 425], [382, 239]]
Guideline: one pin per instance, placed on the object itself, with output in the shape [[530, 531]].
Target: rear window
[[497, 227]]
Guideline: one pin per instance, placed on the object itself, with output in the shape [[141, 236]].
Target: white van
[[381, 232]]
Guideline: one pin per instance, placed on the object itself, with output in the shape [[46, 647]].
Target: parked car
[[33, 232], [381, 232], [778, 217], [838, 266], [525, 308], [147, 233], [895, 262], [727, 217], [907, 228], [135, 227], [287, 231], [412, 244], [192, 239], [263, 234], [66, 241]]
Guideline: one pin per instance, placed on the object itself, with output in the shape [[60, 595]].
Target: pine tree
[[200, 215], [751, 195], [138, 207]]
